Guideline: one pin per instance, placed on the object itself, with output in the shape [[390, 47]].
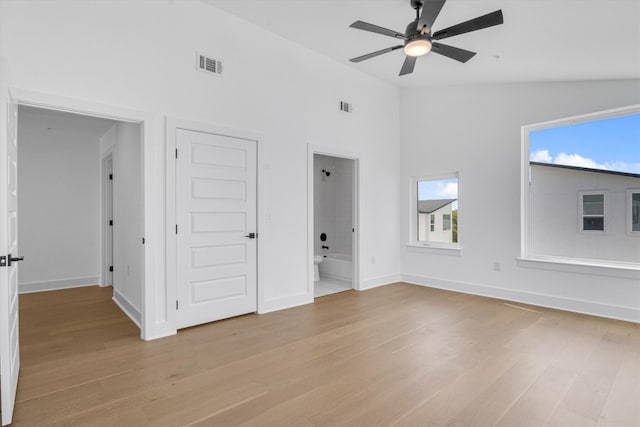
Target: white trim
[[281, 303], [629, 209], [54, 285], [625, 270], [105, 218], [627, 313], [154, 325], [525, 196], [171, 125], [357, 220], [380, 281], [434, 248], [126, 306]]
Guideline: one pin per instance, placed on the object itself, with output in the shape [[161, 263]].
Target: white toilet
[[316, 272]]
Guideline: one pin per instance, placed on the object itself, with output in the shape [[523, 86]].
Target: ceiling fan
[[419, 39]]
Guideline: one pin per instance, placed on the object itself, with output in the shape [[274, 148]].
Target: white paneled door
[[9, 344], [216, 226]]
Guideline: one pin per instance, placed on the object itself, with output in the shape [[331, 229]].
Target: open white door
[[9, 344], [216, 211]]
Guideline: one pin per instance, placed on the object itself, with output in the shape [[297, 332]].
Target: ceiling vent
[[208, 64], [346, 107]]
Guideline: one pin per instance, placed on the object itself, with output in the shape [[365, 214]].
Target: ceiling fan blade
[[374, 54], [484, 21], [452, 52], [361, 25], [430, 11], [409, 64]]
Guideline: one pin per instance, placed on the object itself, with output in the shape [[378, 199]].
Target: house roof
[[430, 206], [552, 165]]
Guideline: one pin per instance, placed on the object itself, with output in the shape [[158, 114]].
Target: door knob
[[5, 261], [251, 235], [14, 259]]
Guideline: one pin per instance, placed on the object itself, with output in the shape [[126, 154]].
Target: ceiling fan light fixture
[[417, 47]]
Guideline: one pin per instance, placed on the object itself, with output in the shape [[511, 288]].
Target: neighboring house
[[584, 213], [435, 220]]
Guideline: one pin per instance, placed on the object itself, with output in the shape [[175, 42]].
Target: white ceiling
[[40, 120], [540, 40]]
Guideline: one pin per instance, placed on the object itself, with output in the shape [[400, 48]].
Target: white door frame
[[173, 124], [107, 215], [344, 154], [153, 307]]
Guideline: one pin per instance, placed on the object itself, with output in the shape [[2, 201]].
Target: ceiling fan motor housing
[[417, 4], [413, 33]]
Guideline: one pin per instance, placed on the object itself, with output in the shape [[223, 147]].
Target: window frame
[[414, 215], [629, 209], [582, 215], [444, 222], [529, 259]]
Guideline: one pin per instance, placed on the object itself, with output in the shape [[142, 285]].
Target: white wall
[[140, 55], [344, 205], [128, 219], [59, 185], [333, 207], [324, 203], [556, 226], [439, 234], [476, 130]]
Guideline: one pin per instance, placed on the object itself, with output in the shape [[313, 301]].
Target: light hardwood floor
[[398, 355]]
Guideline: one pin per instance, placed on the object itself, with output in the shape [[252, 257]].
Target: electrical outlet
[[496, 266]]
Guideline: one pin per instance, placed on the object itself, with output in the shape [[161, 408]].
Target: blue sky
[[611, 144], [439, 189]]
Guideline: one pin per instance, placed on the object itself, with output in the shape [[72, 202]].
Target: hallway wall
[[59, 199]]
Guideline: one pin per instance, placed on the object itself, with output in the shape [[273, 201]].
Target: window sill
[[434, 248], [625, 270]]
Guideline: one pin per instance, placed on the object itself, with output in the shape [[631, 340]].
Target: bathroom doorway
[[334, 224]]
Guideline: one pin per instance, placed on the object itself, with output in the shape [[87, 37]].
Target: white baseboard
[[379, 281], [54, 285], [128, 308], [286, 302], [630, 314]]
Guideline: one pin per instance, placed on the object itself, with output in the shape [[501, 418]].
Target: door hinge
[[111, 176], [143, 240], [111, 268], [176, 153], [176, 304], [111, 222], [176, 228]]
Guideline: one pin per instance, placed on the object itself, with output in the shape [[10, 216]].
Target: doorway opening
[[334, 224], [80, 204]]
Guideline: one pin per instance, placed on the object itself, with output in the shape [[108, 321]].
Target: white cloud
[[448, 190], [575, 159], [541, 156]]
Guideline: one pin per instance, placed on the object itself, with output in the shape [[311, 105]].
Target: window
[[435, 198], [633, 209], [446, 222], [580, 186], [592, 211]]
